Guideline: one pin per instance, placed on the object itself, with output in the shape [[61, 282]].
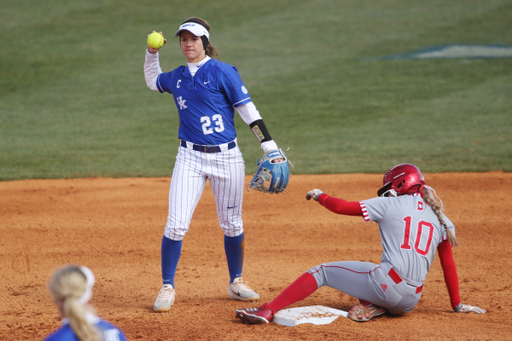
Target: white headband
[[196, 29], [88, 287]]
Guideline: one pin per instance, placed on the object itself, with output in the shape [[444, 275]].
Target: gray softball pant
[[370, 282]]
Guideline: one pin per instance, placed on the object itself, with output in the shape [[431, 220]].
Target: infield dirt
[[115, 227]]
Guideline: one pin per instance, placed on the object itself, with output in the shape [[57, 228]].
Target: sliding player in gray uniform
[[411, 226], [205, 92]]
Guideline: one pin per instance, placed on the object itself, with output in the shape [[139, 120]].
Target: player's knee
[[397, 311], [318, 273]]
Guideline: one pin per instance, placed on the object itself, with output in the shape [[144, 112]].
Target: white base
[[316, 314]]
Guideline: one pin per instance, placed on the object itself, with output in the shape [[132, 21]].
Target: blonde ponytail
[[437, 210], [66, 287]]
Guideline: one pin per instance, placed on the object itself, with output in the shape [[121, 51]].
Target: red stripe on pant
[[397, 279]]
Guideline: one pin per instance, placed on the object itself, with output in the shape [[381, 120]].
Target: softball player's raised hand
[[154, 50], [466, 308]]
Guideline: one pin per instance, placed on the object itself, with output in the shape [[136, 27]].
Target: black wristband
[[260, 130]]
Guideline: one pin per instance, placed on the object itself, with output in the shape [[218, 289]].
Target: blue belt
[[208, 149]]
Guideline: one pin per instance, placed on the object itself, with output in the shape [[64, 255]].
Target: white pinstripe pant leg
[[187, 185], [227, 180]]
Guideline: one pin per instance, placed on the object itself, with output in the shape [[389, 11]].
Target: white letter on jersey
[[181, 103], [205, 120]]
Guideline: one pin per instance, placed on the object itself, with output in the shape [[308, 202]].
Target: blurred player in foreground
[[71, 290], [205, 92], [412, 228]]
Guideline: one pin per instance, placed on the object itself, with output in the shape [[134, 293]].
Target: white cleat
[[165, 299], [239, 290]]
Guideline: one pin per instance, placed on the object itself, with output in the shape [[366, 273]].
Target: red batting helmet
[[401, 178]]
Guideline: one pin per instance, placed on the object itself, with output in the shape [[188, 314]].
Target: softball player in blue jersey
[[71, 290], [206, 92], [412, 228]]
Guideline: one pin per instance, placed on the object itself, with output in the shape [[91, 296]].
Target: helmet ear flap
[[384, 189]]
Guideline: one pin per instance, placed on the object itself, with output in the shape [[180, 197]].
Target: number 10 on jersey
[[424, 230]]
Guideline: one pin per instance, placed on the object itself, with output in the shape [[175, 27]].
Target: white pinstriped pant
[[225, 171]]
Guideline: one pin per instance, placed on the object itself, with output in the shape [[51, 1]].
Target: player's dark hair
[[437, 210], [66, 286], [210, 50]]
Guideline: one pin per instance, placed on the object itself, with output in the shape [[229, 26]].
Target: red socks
[[303, 286]]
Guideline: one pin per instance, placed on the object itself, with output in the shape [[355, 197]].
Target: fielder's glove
[[466, 308], [314, 193], [272, 174]]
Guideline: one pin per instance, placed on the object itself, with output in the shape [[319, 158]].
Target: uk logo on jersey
[[181, 103]]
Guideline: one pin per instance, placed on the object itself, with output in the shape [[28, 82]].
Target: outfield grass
[[73, 101]]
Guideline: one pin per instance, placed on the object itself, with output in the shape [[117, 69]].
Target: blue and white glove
[[273, 173]]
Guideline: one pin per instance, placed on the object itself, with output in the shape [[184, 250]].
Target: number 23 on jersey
[[213, 124]]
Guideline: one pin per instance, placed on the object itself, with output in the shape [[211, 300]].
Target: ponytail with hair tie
[[431, 201]]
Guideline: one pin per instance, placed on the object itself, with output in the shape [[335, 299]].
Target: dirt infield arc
[[115, 226]]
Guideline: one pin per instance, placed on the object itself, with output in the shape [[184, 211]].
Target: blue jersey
[[107, 331], [206, 101]]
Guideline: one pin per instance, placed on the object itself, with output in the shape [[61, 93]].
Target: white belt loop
[[224, 146]]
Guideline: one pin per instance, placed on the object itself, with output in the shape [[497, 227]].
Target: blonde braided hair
[[437, 210], [66, 286]]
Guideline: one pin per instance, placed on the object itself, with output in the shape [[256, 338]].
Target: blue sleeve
[[123, 336], [110, 332], [62, 334], [164, 81], [233, 86]]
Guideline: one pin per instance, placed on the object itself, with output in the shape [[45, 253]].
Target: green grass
[[73, 101]]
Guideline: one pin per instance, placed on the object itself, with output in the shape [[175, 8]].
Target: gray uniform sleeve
[[450, 226], [374, 209]]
